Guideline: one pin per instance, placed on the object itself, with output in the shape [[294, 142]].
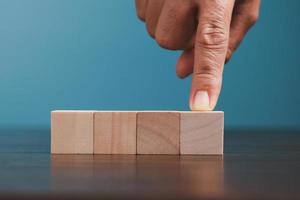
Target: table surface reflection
[[257, 164]]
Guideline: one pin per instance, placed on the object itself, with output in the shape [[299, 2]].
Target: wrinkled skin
[[208, 32]]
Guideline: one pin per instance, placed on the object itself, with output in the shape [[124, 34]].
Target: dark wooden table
[[257, 164]]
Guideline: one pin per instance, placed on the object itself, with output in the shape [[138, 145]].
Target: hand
[[208, 32]]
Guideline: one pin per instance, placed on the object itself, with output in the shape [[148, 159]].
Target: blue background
[[92, 54]]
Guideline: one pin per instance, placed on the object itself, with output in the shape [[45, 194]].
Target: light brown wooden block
[[201, 132], [158, 132], [115, 133], [72, 132]]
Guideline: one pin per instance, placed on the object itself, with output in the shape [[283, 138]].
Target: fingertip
[[180, 75], [181, 71], [184, 66], [228, 55], [200, 101]]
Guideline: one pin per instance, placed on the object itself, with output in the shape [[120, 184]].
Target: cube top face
[[115, 132], [202, 112], [158, 132], [202, 133], [72, 132], [72, 111]]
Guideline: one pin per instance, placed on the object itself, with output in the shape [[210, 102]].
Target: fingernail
[[201, 101]]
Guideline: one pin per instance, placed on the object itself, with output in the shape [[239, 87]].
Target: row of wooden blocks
[[130, 132]]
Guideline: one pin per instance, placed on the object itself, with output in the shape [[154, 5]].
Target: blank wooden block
[[72, 132], [158, 133], [115, 133], [201, 132]]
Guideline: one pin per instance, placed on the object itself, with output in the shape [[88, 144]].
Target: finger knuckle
[[166, 42], [212, 34], [253, 17], [151, 31], [141, 15]]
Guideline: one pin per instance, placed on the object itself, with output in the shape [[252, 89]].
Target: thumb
[[210, 51]]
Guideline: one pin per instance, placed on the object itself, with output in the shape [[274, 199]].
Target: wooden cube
[[72, 132], [115, 132], [152, 132], [158, 132], [201, 132]]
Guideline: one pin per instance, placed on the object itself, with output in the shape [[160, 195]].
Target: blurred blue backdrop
[[92, 54]]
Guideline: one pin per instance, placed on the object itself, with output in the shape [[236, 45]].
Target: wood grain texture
[[201, 132], [115, 133], [72, 132], [158, 133]]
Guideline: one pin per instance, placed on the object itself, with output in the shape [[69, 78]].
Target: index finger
[[210, 51]]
